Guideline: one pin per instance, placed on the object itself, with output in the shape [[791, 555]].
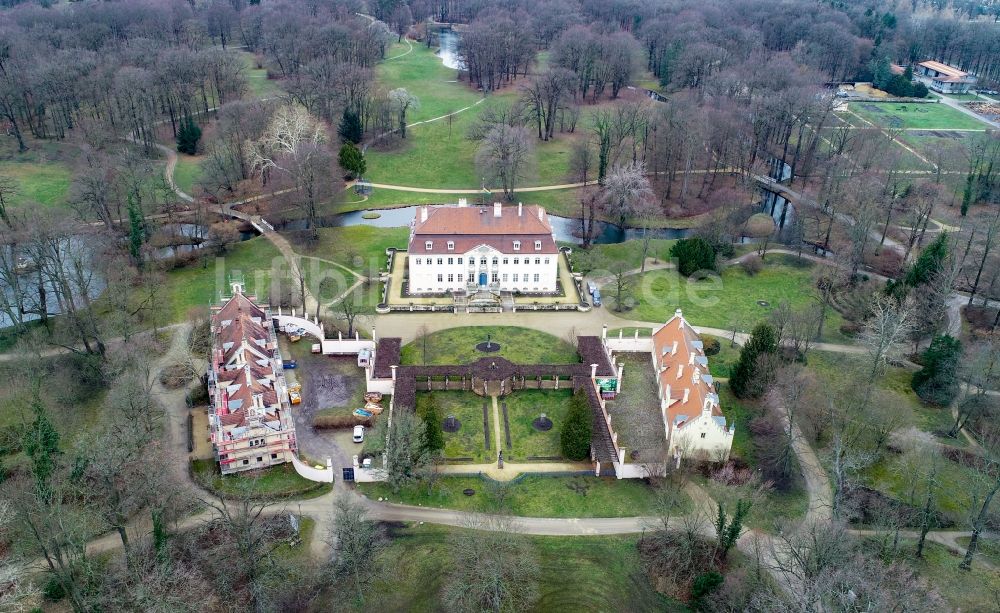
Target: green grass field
[[276, 482], [927, 116], [468, 443], [438, 154], [200, 283], [258, 85], [46, 183], [187, 173], [530, 495], [519, 345], [523, 407], [730, 300], [360, 248], [629, 253], [974, 590], [576, 574]]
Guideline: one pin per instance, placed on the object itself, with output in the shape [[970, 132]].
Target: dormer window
[[538, 245], [451, 245], [428, 245], [517, 245]]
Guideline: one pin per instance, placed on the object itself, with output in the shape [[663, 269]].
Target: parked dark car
[[597, 298], [289, 364]]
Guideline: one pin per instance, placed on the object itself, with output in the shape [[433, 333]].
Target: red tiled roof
[[470, 227], [681, 366]]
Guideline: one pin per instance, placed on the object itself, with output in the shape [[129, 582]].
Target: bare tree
[[504, 156], [626, 192], [356, 542], [494, 567]]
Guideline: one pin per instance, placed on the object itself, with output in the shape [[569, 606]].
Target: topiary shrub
[[692, 255]]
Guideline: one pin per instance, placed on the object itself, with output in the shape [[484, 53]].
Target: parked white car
[[359, 434]]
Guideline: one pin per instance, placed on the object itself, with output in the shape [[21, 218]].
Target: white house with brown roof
[[250, 416], [693, 421], [468, 250], [943, 78]]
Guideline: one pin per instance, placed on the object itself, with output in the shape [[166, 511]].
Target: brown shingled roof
[[387, 354]]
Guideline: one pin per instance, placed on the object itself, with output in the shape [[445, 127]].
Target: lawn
[[895, 385], [360, 248], [422, 74], [722, 363], [44, 183], [458, 346], [974, 590], [202, 282], [523, 407], [629, 253], [530, 495], [576, 574], [187, 173], [468, 443], [258, 85], [275, 482], [927, 116], [438, 154], [729, 300]]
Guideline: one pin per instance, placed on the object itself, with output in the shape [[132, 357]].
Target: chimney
[[541, 214], [677, 313], [497, 209], [462, 202], [519, 208], [673, 349], [687, 393], [680, 371], [593, 371], [423, 213]]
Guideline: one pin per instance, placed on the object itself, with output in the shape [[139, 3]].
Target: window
[[515, 277], [505, 261], [260, 458], [428, 245], [538, 245], [495, 278], [440, 261], [496, 261], [451, 278], [517, 261], [459, 277], [451, 245], [546, 260], [418, 261], [245, 462], [538, 260], [702, 435], [459, 261], [482, 261], [440, 278], [504, 277], [451, 261], [517, 246], [536, 278], [274, 456]]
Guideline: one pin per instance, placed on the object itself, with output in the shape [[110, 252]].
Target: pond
[[566, 229], [448, 51]]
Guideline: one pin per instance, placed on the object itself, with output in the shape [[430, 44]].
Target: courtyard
[[635, 413]]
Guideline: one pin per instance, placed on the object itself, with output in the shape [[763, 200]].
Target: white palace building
[[469, 250]]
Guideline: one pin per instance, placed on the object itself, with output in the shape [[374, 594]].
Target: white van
[[359, 434]]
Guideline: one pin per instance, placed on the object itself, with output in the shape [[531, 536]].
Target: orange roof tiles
[[683, 366]]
